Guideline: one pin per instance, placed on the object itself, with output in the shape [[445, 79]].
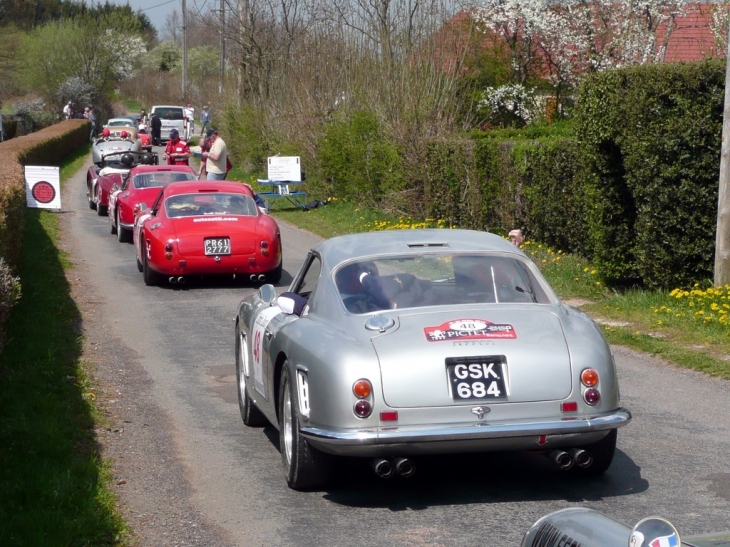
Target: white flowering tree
[[563, 40]]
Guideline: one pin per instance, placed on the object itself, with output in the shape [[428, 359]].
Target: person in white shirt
[[189, 113]]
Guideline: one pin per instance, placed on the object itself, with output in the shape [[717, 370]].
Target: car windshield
[[437, 279], [170, 113], [186, 205], [162, 178]]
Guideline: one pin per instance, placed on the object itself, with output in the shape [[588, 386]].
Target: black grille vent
[[549, 536]]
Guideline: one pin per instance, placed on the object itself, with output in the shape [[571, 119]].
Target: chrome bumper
[[474, 437]]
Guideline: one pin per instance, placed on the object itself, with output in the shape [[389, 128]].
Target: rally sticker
[[468, 329]]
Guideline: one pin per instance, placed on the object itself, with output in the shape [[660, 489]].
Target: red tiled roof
[[692, 39]]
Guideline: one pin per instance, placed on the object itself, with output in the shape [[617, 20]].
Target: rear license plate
[[217, 246], [476, 377]]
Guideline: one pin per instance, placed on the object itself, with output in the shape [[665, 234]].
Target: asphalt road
[[188, 472]]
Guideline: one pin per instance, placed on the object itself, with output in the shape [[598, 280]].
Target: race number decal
[[257, 347], [468, 329]]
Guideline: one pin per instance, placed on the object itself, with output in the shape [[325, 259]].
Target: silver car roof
[[393, 242]]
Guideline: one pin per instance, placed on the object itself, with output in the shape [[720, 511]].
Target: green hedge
[[651, 139], [46, 147]]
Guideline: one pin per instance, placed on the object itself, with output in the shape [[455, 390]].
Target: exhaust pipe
[[262, 278], [172, 279], [383, 468], [582, 457], [252, 277], [181, 280], [405, 467], [562, 459]]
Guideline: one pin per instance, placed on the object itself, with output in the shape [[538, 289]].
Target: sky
[[156, 10]]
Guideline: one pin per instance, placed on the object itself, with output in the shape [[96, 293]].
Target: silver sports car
[[391, 345]]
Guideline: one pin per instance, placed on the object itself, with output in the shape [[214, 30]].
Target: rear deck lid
[[524, 347]]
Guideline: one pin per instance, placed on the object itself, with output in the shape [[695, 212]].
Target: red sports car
[[141, 185], [114, 167], [206, 227]]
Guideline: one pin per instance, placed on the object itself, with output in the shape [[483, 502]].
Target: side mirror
[[267, 293]]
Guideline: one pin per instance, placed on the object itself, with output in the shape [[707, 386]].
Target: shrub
[[9, 294]]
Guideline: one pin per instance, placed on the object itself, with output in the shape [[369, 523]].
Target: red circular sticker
[[43, 192]]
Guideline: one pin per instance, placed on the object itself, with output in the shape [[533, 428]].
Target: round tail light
[[592, 396], [589, 377], [363, 409], [362, 389]]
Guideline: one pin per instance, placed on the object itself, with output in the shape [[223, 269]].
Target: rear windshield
[[437, 279], [162, 178], [169, 113], [186, 205]]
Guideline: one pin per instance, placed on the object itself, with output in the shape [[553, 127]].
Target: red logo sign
[[468, 329], [43, 192]]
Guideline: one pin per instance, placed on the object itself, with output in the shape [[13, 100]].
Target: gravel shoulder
[[149, 477]]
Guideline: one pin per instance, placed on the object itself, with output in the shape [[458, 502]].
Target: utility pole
[[722, 236], [243, 40], [223, 48], [185, 51]]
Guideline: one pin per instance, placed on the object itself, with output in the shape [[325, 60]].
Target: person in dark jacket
[[156, 125]]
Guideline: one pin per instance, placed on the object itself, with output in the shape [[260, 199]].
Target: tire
[[602, 452], [151, 277], [304, 467], [92, 205], [113, 224], [100, 209], [274, 276], [140, 267], [123, 236], [250, 414]]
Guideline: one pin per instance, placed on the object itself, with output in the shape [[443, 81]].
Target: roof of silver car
[[342, 248]]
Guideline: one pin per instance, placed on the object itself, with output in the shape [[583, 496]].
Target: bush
[[651, 138], [9, 295]]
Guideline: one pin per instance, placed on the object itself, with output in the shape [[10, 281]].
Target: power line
[[157, 6]]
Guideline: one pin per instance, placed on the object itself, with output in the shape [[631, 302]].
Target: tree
[[564, 40]]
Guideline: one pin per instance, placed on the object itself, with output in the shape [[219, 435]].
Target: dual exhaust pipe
[[180, 280], [260, 278], [385, 469], [575, 456]]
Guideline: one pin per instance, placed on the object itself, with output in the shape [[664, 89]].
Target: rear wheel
[[274, 276], [151, 277], [602, 452], [112, 224], [250, 414], [92, 205], [123, 235], [140, 267], [100, 209], [304, 466]]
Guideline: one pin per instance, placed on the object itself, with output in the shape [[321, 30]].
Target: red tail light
[[265, 248], [389, 416], [592, 396], [363, 409]]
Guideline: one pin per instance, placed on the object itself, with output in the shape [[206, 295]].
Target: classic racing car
[[204, 228], [580, 526], [115, 165], [141, 185], [390, 345]]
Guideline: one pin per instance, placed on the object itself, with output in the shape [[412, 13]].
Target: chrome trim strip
[[481, 430]]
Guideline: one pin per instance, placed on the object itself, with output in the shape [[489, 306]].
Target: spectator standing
[[204, 120], [216, 158], [92, 118], [68, 111], [143, 117], [156, 125], [189, 112], [177, 151]]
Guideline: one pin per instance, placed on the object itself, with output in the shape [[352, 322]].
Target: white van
[[172, 117]]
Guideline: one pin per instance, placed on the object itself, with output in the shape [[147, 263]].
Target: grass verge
[[689, 327], [53, 479]]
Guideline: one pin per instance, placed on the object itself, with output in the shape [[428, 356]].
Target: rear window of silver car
[[437, 279]]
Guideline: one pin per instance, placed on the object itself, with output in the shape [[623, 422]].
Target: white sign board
[[285, 168], [43, 187]]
